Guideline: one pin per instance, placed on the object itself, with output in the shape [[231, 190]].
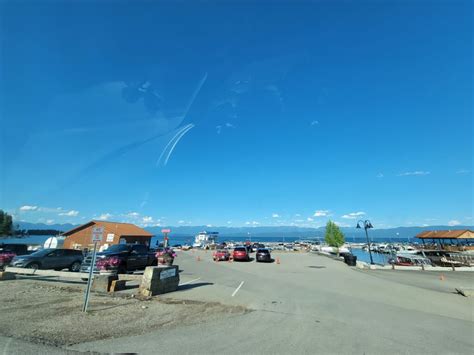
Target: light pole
[[367, 225]]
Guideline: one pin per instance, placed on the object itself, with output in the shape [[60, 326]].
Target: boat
[[408, 249], [205, 239], [333, 250], [402, 259]]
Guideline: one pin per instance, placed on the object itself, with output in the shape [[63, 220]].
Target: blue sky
[[198, 113]]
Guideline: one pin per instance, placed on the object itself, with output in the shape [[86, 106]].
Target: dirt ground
[[50, 313]]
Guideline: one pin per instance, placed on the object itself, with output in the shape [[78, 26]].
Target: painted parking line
[[237, 289], [188, 282]]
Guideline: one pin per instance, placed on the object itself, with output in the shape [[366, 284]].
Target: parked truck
[[122, 258]]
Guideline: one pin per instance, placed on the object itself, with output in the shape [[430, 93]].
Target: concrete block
[[157, 280], [4, 276], [117, 285], [102, 283]]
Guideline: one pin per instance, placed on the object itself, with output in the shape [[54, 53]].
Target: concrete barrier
[[4, 276], [102, 283], [158, 280]]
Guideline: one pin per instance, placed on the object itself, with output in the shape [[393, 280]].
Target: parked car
[[56, 259], [122, 258], [8, 251], [17, 249], [264, 255], [221, 255], [241, 253]]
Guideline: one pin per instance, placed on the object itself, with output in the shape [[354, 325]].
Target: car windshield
[[336, 133], [117, 248], [42, 252]]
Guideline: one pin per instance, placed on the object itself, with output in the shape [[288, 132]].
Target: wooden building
[[454, 240], [114, 233]]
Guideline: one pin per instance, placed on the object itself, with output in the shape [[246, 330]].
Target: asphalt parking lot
[[309, 303]]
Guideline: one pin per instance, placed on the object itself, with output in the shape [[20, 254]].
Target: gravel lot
[[50, 313]]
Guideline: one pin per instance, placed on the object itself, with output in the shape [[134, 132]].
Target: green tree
[[334, 236], [6, 223]]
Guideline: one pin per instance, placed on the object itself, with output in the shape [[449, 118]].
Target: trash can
[[350, 259]]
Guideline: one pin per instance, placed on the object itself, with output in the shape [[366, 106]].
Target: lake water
[[378, 258]]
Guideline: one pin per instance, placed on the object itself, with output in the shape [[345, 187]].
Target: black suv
[[56, 259], [263, 254]]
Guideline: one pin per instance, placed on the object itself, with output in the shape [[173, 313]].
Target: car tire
[[33, 266], [122, 270], [75, 267]]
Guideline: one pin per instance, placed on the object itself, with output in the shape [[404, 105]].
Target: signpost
[[165, 232], [97, 234]]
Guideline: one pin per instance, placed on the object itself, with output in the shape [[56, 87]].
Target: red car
[[221, 255], [241, 254]]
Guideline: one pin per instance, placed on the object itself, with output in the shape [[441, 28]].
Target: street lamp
[[367, 225]]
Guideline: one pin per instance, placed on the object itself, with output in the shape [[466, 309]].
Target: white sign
[[110, 237], [97, 233], [167, 273]]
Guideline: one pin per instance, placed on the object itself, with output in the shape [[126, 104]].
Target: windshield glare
[[42, 252], [117, 248]]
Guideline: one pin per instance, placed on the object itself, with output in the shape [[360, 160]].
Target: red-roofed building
[[114, 233]]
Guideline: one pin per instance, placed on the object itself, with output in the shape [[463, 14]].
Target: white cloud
[[104, 216], [453, 223], [218, 129], [229, 222], [353, 215], [299, 220], [275, 215], [133, 214], [253, 223], [463, 171], [28, 208], [229, 125], [313, 123], [321, 213], [380, 175], [309, 219], [297, 215], [181, 221], [71, 213], [415, 173], [147, 219], [49, 221], [209, 225]]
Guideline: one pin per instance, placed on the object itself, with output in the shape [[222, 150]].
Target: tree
[[6, 223], [334, 236]]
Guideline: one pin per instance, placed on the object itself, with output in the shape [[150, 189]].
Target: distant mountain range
[[289, 232]]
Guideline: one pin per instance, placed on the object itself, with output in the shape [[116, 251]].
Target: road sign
[[97, 233]]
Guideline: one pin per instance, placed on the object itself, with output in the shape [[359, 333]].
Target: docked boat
[[205, 239], [333, 250], [401, 259]]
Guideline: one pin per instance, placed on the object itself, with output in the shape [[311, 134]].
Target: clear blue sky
[[262, 114]]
